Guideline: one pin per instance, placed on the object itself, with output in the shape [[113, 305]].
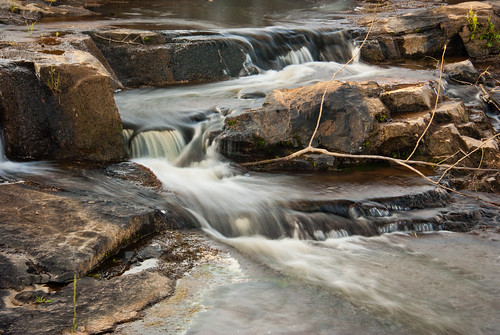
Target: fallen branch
[[435, 105], [400, 162], [468, 155]]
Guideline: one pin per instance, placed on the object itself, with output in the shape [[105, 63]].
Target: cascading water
[[309, 228]]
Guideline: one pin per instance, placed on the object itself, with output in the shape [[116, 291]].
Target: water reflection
[[226, 13]]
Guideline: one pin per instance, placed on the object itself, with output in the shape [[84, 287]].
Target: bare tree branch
[[435, 105]]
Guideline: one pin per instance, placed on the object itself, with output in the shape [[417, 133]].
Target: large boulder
[[357, 118], [144, 58], [288, 118], [57, 102]]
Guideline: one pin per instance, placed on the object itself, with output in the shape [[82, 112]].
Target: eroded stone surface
[[100, 305]]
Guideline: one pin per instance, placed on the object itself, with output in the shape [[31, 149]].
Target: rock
[[409, 99], [52, 98], [429, 43], [473, 144], [288, 118], [397, 138], [49, 236], [445, 141], [143, 58], [462, 71], [425, 33], [25, 109], [100, 305], [385, 123], [451, 111]]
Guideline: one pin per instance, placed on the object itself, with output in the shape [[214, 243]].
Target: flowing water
[[313, 254], [334, 271]]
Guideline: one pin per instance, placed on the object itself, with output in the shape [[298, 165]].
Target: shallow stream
[[367, 263]]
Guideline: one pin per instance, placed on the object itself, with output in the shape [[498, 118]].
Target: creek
[[343, 248], [361, 252]]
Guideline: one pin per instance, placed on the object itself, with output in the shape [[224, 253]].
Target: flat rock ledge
[[55, 228]]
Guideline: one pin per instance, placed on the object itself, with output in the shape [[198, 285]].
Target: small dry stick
[[333, 78], [435, 104], [451, 156], [467, 155]]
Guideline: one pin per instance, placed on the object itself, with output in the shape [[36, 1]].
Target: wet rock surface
[[52, 233], [424, 33], [382, 120], [142, 58]]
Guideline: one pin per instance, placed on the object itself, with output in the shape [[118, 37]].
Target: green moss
[[230, 123], [260, 142], [381, 118]]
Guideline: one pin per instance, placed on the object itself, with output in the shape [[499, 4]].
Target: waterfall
[[303, 55], [343, 233], [2, 153], [276, 48], [154, 143]]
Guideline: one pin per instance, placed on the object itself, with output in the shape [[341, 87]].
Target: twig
[[488, 98], [333, 78], [451, 156], [482, 74], [467, 155], [435, 104], [118, 41]]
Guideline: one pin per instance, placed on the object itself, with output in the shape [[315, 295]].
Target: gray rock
[[100, 305], [143, 58], [462, 71], [409, 99], [426, 32], [288, 118]]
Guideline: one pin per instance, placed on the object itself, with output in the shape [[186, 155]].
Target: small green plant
[[260, 142], [74, 306], [54, 81], [381, 118], [31, 27], [490, 35], [14, 6], [486, 31], [146, 39], [42, 300], [57, 34], [472, 21], [230, 123]]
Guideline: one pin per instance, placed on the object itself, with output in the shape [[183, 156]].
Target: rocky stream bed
[[78, 218]]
